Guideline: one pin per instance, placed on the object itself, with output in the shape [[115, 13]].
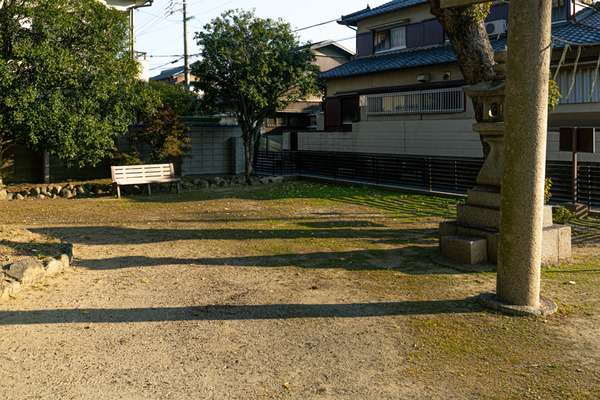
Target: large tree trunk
[[249, 157], [471, 46]]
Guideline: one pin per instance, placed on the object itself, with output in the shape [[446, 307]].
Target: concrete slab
[[464, 249]]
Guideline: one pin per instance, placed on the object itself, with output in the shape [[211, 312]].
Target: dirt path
[[224, 298]]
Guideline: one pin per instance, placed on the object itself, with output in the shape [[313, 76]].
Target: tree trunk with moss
[[471, 46]]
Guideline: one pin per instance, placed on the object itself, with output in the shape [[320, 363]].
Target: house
[[172, 76], [303, 114], [402, 94]]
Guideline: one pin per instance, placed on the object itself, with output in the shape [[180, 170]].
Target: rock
[[70, 187], [66, 193], [52, 266], [8, 288], [19, 196], [81, 190], [9, 196], [4, 287], [56, 189], [276, 179], [34, 192], [187, 185], [64, 259], [204, 185], [28, 271], [24, 193], [67, 249], [196, 181], [3, 195], [264, 181], [223, 183], [40, 197]]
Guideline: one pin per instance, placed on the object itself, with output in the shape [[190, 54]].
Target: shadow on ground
[[238, 312]]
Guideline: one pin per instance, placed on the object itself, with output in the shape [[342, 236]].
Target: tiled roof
[[351, 19], [409, 58], [577, 33], [168, 73], [415, 57]]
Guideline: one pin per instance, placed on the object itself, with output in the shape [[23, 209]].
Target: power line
[[315, 25]]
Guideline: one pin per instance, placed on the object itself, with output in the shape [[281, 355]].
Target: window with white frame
[[389, 39]]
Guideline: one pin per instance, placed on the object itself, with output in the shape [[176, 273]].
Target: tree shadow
[[238, 312], [414, 261], [106, 235]]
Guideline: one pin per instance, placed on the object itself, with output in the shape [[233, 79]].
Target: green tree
[[252, 67], [163, 136], [181, 101], [67, 80]]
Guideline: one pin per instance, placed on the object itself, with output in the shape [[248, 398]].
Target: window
[[437, 101], [559, 10], [276, 121], [390, 39]]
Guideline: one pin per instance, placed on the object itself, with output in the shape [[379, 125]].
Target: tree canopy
[[176, 97], [67, 79], [252, 67]]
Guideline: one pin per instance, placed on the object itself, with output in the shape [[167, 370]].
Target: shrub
[[563, 216]]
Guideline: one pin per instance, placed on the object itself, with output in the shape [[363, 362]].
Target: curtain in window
[[398, 37]]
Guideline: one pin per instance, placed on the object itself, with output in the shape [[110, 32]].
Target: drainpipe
[[131, 26], [581, 23]]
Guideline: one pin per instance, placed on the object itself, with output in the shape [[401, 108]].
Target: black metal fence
[[429, 173]]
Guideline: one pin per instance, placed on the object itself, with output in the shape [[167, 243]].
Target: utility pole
[[186, 57]]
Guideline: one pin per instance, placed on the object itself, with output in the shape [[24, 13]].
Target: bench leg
[[149, 190], [178, 188], [118, 192]]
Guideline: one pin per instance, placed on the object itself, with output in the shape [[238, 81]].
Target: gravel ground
[[228, 298]]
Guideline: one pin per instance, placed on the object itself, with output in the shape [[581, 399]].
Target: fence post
[[429, 174]]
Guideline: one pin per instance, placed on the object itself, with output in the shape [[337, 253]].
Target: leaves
[[68, 82], [251, 67]]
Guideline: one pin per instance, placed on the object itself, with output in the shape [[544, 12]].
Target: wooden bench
[[143, 174]]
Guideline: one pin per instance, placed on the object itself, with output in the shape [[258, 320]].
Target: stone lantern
[[473, 237]]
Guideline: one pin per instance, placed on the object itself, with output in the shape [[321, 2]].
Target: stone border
[[490, 300], [71, 191], [30, 271]]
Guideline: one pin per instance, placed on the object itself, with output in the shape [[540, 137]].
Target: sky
[[159, 32]]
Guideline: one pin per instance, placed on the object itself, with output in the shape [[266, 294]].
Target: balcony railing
[[436, 101]]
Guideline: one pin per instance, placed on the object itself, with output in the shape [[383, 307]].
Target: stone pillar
[[519, 258]]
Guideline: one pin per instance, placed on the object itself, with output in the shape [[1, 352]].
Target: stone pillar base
[[490, 300]]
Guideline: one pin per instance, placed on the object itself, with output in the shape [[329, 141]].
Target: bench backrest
[[146, 171]]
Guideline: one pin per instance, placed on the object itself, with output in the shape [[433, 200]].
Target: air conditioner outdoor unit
[[496, 27]]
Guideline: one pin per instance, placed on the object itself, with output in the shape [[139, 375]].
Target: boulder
[[36, 191], [52, 266], [19, 196], [28, 271], [65, 260], [8, 288]]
